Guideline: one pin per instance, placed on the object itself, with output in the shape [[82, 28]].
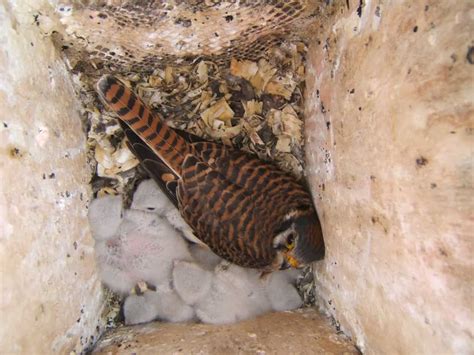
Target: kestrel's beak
[[292, 261]]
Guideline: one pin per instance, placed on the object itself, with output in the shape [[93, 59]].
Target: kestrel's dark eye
[[290, 241], [291, 238]]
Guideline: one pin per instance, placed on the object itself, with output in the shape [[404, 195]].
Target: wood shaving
[[169, 75], [244, 69], [252, 107], [218, 114], [202, 72], [264, 74], [283, 144], [282, 85], [291, 124]]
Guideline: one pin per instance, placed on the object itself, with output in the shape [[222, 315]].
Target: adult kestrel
[[245, 210]]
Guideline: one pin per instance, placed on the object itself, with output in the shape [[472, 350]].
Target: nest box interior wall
[[389, 154], [389, 161], [51, 298]]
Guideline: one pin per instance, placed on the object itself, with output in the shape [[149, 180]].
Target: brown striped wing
[[270, 186], [155, 167], [235, 202], [165, 178], [207, 203]]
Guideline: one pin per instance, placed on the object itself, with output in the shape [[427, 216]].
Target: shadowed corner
[[312, 248]]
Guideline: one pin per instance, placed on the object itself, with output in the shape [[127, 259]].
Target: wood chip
[[274, 121], [281, 85], [264, 74], [252, 107], [283, 144], [169, 75], [227, 133], [220, 111], [202, 72], [244, 69], [291, 124], [155, 80]]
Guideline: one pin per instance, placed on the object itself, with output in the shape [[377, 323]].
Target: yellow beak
[[292, 261]]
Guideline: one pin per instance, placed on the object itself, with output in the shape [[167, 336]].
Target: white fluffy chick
[[145, 250], [150, 198], [191, 282], [204, 256], [174, 217], [236, 294], [105, 216], [171, 308], [166, 306], [145, 244], [281, 291], [139, 309]]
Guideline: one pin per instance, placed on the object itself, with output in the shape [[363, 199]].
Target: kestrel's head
[[299, 241]]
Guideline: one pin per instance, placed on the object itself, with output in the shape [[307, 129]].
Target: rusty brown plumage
[[246, 210], [164, 141]]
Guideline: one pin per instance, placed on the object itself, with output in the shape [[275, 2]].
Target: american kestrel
[[245, 210]]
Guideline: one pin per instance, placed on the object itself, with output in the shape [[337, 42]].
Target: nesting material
[[185, 281], [256, 106]]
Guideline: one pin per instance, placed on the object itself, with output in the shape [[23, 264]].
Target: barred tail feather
[[170, 147]]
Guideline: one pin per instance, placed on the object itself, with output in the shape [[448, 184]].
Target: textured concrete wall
[[50, 296], [390, 153]]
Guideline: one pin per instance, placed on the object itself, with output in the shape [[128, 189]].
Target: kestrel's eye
[[290, 241]]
